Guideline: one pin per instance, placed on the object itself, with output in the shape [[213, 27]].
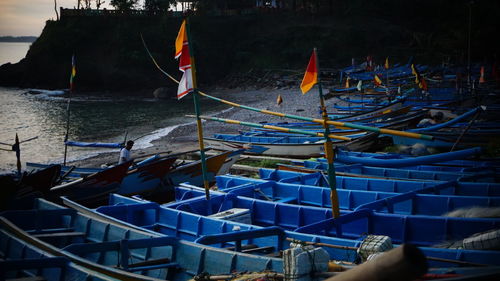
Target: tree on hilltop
[[123, 5], [158, 5]]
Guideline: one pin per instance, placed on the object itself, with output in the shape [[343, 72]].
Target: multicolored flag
[[186, 84], [377, 80], [311, 75], [386, 65], [73, 73], [481, 77], [279, 100]]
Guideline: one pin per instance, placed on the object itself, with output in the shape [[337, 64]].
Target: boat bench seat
[[152, 264], [133, 268], [60, 234], [266, 249], [287, 199]]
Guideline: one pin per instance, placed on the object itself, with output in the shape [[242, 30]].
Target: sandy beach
[[184, 137]]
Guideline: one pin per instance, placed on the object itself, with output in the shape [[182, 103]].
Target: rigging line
[[155, 63]]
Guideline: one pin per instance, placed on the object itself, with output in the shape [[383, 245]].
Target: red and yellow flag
[[386, 65], [419, 80], [481, 77], [73, 73], [186, 84], [377, 80], [311, 75]]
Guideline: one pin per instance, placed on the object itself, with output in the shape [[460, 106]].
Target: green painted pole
[[329, 153], [198, 119]]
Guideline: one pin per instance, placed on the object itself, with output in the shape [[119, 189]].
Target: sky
[[27, 17]]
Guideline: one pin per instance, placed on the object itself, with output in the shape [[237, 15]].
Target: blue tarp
[[94, 144]]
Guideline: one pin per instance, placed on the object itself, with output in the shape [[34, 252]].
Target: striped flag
[[311, 75], [186, 84], [73, 73]]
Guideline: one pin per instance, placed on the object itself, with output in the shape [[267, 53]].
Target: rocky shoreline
[[184, 137]]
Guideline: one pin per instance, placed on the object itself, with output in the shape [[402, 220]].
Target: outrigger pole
[[277, 128]]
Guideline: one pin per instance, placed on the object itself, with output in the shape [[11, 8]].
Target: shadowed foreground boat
[[121, 252]]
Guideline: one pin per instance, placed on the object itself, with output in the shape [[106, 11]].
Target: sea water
[[96, 118]]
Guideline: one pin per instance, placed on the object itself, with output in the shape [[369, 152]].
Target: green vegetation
[[264, 163]]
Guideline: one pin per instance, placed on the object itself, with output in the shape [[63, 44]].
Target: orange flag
[[311, 75], [386, 65], [279, 100], [481, 78], [347, 82], [186, 84], [377, 80]]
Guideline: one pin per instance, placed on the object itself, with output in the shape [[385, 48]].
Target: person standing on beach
[[125, 152]]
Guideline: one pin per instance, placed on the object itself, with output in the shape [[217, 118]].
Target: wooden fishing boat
[[93, 187], [191, 220], [455, 161], [18, 190], [22, 260], [382, 184], [409, 203], [148, 179], [291, 146], [123, 252], [359, 170]]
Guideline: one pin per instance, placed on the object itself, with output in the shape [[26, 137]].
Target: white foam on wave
[[143, 142]]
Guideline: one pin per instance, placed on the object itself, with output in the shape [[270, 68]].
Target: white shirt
[[124, 156]]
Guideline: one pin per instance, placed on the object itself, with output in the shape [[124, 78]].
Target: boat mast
[[329, 154]]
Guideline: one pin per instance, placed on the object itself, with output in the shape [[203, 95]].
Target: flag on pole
[[377, 80], [311, 75], [386, 65], [347, 82], [419, 80], [279, 100], [481, 77], [182, 53], [73, 73], [360, 83]]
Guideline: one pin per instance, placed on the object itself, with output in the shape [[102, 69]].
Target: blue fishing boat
[[192, 219], [404, 173], [292, 146], [383, 185], [121, 252], [409, 203], [455, 161]]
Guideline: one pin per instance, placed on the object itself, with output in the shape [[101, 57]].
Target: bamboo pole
[[329, 153], [198, 119]]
